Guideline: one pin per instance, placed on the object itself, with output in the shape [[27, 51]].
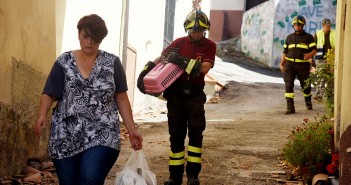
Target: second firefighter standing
[[325, 40], [299, 48]]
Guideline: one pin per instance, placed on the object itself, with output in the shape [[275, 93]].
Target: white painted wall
[[228, 4], [183, 8], [145, 34]]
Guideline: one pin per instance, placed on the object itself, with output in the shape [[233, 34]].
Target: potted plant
[[308, 148]]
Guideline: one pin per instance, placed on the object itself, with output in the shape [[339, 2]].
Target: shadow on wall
[[17, 138]]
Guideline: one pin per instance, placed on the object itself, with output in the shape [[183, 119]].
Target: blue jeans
[[89, 167]]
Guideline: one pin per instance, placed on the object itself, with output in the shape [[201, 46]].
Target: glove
[[140, 82], [190, 66]]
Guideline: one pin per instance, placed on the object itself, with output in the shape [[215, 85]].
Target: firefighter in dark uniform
[[185, 97], [299, 48]]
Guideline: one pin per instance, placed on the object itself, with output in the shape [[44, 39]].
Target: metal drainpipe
[[124, 33]]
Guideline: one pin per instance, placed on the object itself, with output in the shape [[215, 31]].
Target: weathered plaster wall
[[270, 23], [342, 103], [27, 33], [27, 50], [17, 139]]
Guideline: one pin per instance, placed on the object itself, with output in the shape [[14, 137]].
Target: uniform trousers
[[186, 114], [301, 70]]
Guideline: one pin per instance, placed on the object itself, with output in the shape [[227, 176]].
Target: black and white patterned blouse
[[86, 112]]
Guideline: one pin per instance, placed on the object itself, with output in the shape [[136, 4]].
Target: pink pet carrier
[[162, 75]]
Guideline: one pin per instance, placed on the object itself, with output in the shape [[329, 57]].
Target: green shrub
[[308, 144], [325, 73]]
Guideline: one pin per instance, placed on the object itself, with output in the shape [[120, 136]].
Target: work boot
[[308, 103], [193, 181], [174, 179], [172, 182], [290, 109]]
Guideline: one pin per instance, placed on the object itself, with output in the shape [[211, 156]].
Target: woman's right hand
[[45, 104], [40, 124]]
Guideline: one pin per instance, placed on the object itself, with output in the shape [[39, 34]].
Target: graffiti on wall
[[255, 22], [255, 33], [263, 32], [314, 12]]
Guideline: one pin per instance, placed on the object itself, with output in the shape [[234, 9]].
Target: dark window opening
[[252, 3]]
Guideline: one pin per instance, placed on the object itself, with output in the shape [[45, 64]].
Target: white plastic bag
[[136, 171]]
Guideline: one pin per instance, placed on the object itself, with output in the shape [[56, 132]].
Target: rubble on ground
[[36, 171]]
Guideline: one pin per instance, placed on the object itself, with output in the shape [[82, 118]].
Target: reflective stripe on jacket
[[321, 41], [297, 45]]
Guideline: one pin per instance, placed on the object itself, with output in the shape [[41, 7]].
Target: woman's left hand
[[136, 140]]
